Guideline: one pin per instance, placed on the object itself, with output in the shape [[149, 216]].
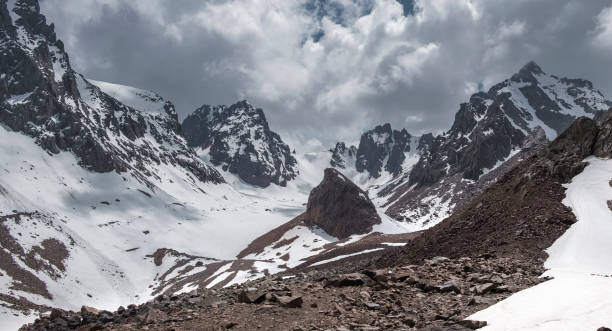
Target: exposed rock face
[[342, 155], [583, 138], [380, 144], [603, 143], [42, 97], [238, 139], [493, 124], [340, 207]]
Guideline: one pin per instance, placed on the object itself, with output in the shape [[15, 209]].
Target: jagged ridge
[[238, 139]]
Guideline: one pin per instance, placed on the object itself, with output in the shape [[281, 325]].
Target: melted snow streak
[[340, 257], [580, 295]]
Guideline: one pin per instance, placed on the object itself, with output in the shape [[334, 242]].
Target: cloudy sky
[[326, 70]]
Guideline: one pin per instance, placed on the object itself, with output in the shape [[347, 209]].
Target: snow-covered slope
[[109, 223], [96, 179], [580, 295]]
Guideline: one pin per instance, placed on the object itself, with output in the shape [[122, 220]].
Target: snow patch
[[580, 295]]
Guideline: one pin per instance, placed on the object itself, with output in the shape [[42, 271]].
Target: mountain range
[[107, 199]]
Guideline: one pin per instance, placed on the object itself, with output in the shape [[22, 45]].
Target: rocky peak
[[42, 97], [239, 140], [527, 72], [340, 207], [425, 142], [493, 124], [383, 148], [342, 155]]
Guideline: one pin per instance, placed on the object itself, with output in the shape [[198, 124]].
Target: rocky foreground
[[436, 295]]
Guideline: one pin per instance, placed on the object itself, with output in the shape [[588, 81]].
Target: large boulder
[[340, 207]]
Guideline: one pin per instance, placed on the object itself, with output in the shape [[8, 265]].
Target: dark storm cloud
[[326, 70]]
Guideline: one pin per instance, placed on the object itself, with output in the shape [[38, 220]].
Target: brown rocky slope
[[522, 214]]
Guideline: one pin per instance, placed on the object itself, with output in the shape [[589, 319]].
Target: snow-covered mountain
[[343, 156], [381, 151], [238, 139], [490, 134], [96, 179], [493, 124], [45, 99], [106, 199], [104, 203]]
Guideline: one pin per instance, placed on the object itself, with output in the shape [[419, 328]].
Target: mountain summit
[[44, 98], [238, 139]]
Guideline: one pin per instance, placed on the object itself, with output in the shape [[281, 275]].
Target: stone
[[377, 275], [450, 286], [406, 277], [424, 285], [496, 280], [265, 309], [105, 316], [89, 310], [251, 296], [290, 302], [437, 260], [603, 328], [372, 306], [502, 288], [484, 288], [219, 304], [478, 300], [470, 324], [354, 279]]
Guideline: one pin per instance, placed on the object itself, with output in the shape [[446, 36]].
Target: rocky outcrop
[[44, 98], [603, 142], [237, 138], [340, 207]]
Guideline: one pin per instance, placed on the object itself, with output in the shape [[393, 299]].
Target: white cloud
[[364, 70], [603, 33]]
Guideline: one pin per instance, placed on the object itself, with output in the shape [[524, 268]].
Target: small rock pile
[[437, 295]]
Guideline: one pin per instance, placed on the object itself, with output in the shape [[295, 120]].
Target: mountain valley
[[115, 215]]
